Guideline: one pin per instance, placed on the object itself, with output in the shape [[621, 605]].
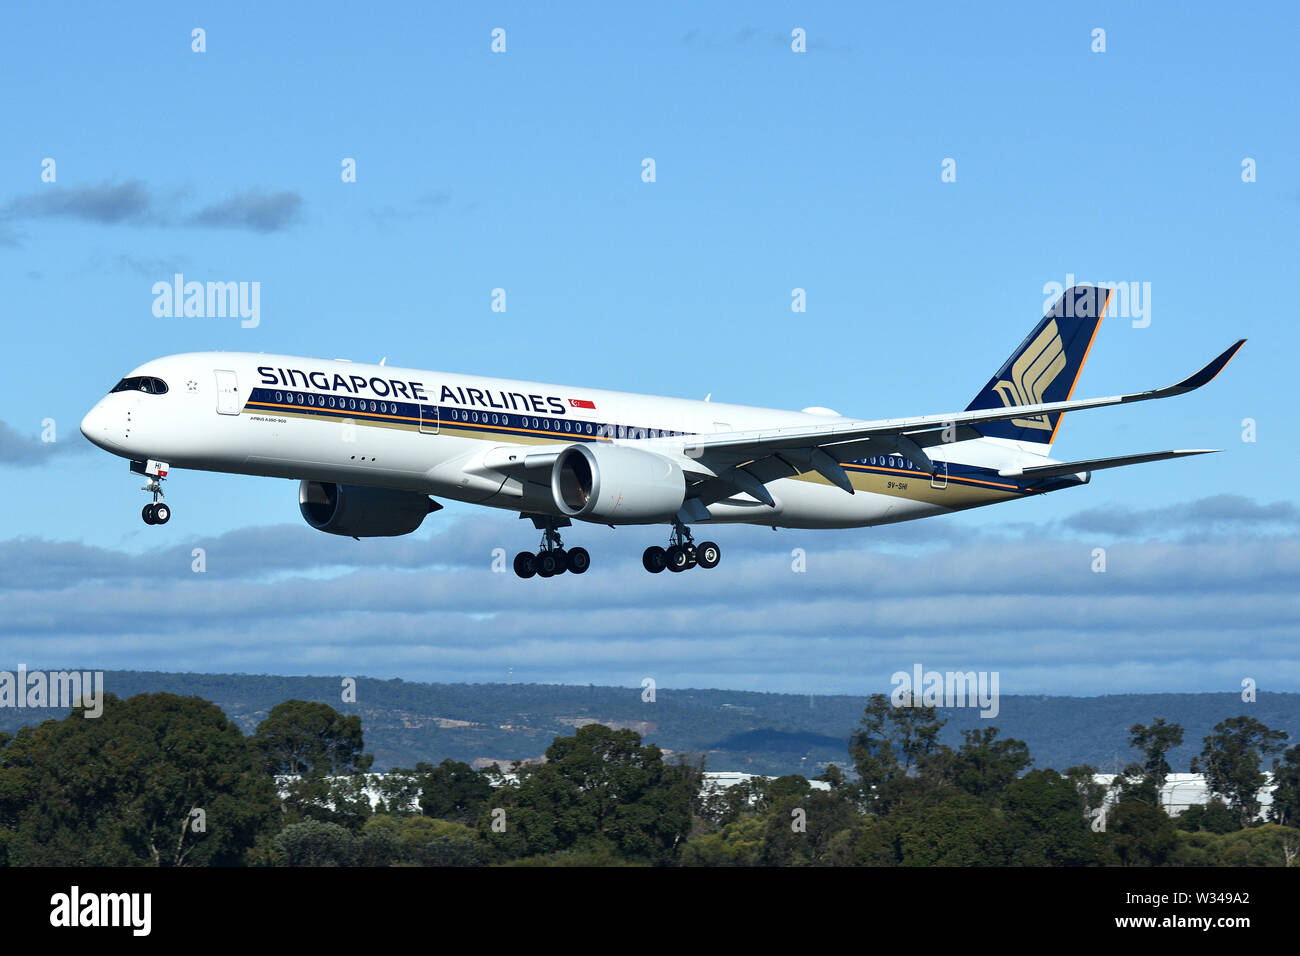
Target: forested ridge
[[408, 722]]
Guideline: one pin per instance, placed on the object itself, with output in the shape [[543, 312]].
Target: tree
[[452, 790], [1213, 817], [983, 766], [1154, 742], [599, 790], [1140, 834], [739, 843], [890, 745], [1084, 780], [961, 831], [315, 843], [800, 827], [321, 751], [303, 737], [1286, 795], [1045, 821], [156, 780], [1231, 760]]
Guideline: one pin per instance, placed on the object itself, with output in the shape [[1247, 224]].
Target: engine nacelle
[[362, 512], [616, 484]]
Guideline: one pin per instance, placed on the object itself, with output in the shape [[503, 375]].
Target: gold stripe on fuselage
[[960, 492]]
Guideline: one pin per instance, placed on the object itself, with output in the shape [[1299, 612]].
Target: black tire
[[708, 554], [525, 564], [677, 559], [161, 513], [562, 560], [653, 559], [579, 560], [147, 514], [547, 564], [691, 560]]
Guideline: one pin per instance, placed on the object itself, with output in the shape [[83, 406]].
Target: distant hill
[[407, 722]]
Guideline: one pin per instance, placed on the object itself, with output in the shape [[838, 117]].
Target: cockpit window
[[141, 383]]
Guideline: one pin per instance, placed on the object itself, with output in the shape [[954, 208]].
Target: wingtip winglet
[[1213, 368]]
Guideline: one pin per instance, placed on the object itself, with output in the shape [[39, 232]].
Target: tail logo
[[1032, 373]]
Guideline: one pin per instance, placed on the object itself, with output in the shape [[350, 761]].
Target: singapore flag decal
[[582, 403]]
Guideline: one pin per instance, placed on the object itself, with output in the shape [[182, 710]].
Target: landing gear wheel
[[525, 564], [677, 558], [654, 559], [161, 513], [147, 514], [708, 554], [548, 565], [691, 560], [579, 560], [562, 557]]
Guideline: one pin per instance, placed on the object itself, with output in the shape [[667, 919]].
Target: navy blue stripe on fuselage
[[414, 415]]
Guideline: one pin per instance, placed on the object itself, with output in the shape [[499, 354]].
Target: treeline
[[765, 733], [164, 780]]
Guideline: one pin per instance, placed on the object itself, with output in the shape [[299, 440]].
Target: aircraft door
[[940, 477], [429, 419], [227, 392]]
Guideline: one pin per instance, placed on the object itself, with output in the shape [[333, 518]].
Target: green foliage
[[1093, 794], [315, 843], [1231, 760], [599, 785], [888, 745], [1140, 834], [1154, 742], [1286, 796], [1266, 845], [1213, 817], [983, 766], [800, 829], [156, 780], [739, 843], [961, 831], [302, 737], [1045, 822], [430, 842], [322, 751], [452, 790]]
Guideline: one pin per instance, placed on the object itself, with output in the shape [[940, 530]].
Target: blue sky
[[774, 170]]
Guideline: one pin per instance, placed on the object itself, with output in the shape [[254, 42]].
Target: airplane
[[370, 444]]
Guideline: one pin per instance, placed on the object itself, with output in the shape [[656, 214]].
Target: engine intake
[[361, 512], [616, 484]]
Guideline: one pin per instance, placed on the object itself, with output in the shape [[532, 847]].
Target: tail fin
[[1045, 368]]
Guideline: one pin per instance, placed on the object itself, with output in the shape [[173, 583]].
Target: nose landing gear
[[157, 512]]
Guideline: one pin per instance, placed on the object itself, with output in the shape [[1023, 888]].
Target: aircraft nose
[[95, 426]]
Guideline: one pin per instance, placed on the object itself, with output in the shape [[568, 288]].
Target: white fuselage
[[439, 433]]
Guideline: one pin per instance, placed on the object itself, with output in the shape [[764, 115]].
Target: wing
[[745, 461], [1059, 469]]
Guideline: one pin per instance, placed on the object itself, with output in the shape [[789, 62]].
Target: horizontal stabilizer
[[1096, 464]]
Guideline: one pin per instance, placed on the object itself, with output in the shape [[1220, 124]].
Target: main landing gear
[[682, 553], [551, 559], [157, 512]]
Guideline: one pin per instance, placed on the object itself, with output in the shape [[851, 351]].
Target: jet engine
[[362, 512], [616, 484]]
